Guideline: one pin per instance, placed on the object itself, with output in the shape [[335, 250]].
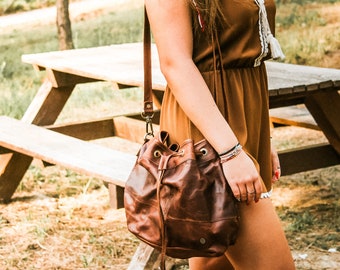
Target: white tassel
[[275, 48]]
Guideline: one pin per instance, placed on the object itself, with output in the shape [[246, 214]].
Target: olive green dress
[[239, 85]]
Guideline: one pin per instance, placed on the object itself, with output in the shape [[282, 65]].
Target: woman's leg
[[218, 263], [261, 243]]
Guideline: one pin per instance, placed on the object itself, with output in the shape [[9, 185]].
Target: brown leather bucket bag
[[178, 201], [176, 198]]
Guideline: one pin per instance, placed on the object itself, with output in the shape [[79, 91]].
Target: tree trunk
[[64, 25]]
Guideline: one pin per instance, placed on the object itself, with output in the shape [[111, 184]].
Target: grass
[[309, 32]]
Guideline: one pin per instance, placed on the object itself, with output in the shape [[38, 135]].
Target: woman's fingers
[[258, 189], [276, 169], [244, 193], [243, 178], [253, 190], [235, 190], [251, 193]]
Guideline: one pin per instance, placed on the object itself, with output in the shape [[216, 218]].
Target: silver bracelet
[[234, 152]]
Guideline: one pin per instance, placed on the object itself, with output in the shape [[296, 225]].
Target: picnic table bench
[[36, 136]]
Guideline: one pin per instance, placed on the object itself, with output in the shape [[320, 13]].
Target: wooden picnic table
[[316, 88]]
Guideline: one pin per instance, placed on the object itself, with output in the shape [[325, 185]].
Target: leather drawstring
[[162, 222], [163, 164]]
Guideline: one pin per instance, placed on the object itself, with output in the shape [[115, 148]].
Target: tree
[[64, 25]]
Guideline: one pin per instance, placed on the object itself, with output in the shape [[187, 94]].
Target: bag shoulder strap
[[148, 102]]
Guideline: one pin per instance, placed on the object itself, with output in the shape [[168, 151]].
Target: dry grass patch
[[42, 232]]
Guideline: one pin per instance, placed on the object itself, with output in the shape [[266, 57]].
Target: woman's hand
[[243, 178], [276, 169]]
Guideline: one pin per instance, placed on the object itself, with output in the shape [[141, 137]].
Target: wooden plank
[[131, 129], [5, 151], [337, 83], [88, 130], [47, 104], [84, 157], [282, 75], [312, 87], [144, 258], [129, 126], [326, 85], [278, 121], [289, 98], [155, 119], [285, 100], [123, 64], [293, 116], [299, 88], [12, 168], [116, 194], [308, 158], [43, 110], [325, 109], [60, 79]]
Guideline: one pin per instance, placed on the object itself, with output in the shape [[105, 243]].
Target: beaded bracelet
[[230, 154]]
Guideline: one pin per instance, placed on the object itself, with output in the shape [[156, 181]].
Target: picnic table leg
[[325, 108], [116, 194], [44, 110], [47, 104], [12, 169], [144, 258], [148, 258]]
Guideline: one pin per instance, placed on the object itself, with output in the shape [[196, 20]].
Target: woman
[[211, 54]]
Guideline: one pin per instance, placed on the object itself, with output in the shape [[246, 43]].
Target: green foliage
[[310, 18], [311, 51], [317, 223], [307, 35], [300, 221], [113, 28], [19, 82]]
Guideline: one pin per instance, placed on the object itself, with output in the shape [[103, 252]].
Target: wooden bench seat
[[108, 164], [296, 115]]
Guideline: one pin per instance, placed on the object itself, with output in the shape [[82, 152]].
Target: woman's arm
[[172, 30]]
